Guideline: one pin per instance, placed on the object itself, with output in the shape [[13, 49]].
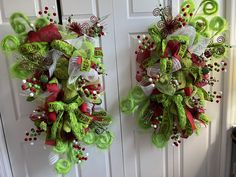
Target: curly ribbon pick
[[60, 108], [135, 98], [60, 147], [217, 24], [181, 112], [128, 106], [10, 43], [210, 7], [41, 22], [104, 140], [137, 95], [89, 138], [17, 21], [62, 166], [219, 51], [200, 23]]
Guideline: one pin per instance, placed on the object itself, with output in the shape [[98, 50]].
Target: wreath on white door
[[61, 68], [174, 64]]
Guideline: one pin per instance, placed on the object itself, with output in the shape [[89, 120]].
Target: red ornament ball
[[23, 87]]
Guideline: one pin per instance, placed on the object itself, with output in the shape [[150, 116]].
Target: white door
[[132, 154], [32, 160], [198, 156]]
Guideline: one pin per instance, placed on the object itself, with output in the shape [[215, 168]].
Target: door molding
[[5, 166], [229, 107]]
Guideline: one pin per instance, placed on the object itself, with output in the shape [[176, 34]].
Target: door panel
[[79, 7], [141, 158], [30, 9], [142, 8]]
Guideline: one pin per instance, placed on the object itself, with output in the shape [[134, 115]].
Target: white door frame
[[229, 107]]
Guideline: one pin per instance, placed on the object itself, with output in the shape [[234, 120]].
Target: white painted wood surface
[[132, 154]]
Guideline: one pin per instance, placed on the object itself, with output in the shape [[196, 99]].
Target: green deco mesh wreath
[[174, 62], [61, 69]]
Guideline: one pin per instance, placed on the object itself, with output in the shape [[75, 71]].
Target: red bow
[[45, 34], [173, 49]]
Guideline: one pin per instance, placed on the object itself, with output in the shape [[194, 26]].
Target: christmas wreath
[[61, 69], [174, 62]]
